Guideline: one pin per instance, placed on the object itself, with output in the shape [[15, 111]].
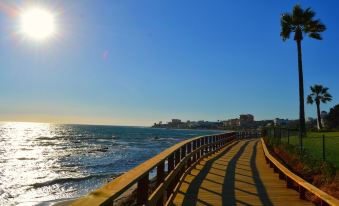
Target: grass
[[313, 143]]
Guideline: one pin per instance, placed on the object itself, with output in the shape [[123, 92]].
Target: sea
[[42, 163]]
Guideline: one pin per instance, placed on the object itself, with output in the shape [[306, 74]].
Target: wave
[[75, 138], [50, 138], [102, 149], [26, 149], [72, 179], [25, 158], [164, 139]]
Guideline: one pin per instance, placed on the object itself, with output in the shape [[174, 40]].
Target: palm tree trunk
[[301, 91], [319, 117]]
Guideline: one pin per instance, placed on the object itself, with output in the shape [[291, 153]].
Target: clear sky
[[137, 62]]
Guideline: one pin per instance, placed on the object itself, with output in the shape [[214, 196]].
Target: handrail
[[290, 177], [178, 157]]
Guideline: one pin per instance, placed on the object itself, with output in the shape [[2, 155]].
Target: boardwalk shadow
[[237, 178], [191, 197], [265, 200]]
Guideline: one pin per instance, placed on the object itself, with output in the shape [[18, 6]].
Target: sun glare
[[37, 23]]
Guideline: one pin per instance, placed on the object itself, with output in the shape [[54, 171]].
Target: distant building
[[202, 123], [231, 123], [246, 119], [178, 124], [191, 124], [280, 122], [243, 120], [176, 121]]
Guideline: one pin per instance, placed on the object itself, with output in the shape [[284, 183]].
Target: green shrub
[[312, 166]]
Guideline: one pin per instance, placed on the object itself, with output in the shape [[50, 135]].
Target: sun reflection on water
[[42, 163], [27, 158]]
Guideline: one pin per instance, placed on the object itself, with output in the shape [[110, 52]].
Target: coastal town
[[244, 121]]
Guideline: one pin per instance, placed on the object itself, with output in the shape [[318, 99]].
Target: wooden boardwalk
[[236, 175], [221, 169]]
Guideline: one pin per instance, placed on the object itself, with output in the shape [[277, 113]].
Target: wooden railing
[[248, 134], [170, 166], [301, 185]]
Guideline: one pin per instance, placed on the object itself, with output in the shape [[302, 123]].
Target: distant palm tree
[[319, 94], [301, 22]]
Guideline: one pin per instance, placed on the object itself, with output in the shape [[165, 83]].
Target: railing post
[[170, 168], [289, 183], [281, 175], [183, 151], [217, 138], [177, 177], [160, 172], [217, 143], [302, 192], [206, 143], [189, 150], [194, 148], [170, 163], [203, 142], [183, 155], [160, 179], [142, 190], [267, 161], [177, 157], [198, 146]]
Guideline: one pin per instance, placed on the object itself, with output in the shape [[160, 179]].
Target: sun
[[37, 23]]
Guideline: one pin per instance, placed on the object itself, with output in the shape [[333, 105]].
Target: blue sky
[[194, 60]]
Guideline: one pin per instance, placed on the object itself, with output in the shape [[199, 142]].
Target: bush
[[303, 163], [332, 120]]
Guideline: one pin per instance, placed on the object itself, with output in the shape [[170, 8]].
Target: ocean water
[[42, 163]]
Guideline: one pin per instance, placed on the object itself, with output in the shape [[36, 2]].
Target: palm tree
[[301, 22], [319, 94]]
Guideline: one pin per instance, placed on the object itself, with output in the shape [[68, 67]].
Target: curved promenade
[[236, 175], [224, 169]]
